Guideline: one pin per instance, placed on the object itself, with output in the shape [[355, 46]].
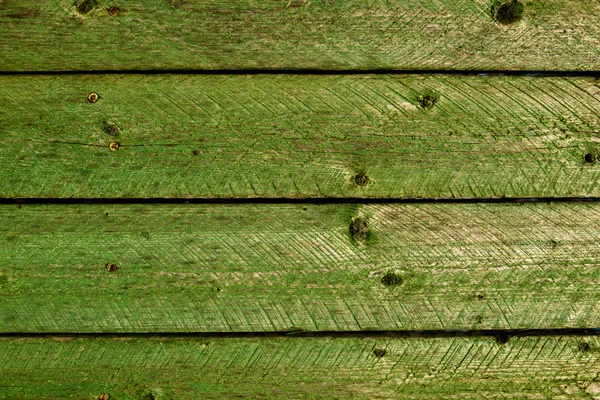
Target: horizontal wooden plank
[[98, 35], [284, 368], [400, 136], [257, 268]]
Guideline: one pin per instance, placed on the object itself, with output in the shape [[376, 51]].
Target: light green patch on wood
[[295, 136], [299, 368], [556, 35], [286, 267]]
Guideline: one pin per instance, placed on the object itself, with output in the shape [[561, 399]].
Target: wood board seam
[[501, 335]]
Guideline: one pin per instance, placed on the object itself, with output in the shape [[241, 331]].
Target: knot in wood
[[361, 179], [359, 229], [111, 128], [379, 352], [391, 279], [86, 6], [584, 346], [427, 101], [508, 12]]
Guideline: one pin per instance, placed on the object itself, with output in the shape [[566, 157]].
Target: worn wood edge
[[295, 136], [291, 267], [88, 35], [524, 368]]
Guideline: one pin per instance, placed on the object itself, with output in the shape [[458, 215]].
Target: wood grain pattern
[[295, 136], [58, 35], [299, 368], [265, 268]]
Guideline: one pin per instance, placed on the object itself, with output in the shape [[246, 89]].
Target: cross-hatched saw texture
[[297, 34], [299, 136], [284, 368], [256, 268]]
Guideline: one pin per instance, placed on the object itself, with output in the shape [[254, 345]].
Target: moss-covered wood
[[99, 35], [287, 267], [299, 368], [291, 136]]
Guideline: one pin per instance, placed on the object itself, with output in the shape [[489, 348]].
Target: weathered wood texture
[[222, 268], [299, 136], [297, 34], [299, 368]]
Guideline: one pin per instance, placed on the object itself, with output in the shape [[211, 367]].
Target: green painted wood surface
[[141, 268], [62, 35], [299, 368], [299, 136], [257, 268]]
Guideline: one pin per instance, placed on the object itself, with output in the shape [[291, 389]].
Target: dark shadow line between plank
[[501, 336], [312, 200], [313, 72]]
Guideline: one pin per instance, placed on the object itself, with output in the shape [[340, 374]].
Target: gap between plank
[[502, 336]]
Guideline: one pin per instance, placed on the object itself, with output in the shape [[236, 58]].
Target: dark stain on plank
[[86, 6], [508, 12], [391, 279], [24, 14], [176, 3], [359, 229]]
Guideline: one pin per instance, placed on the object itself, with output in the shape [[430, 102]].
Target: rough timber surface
[[564, 368], [289, 267], [286, 136], [58, 35]]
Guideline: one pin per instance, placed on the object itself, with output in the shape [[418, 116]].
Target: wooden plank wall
[[288, 199]]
